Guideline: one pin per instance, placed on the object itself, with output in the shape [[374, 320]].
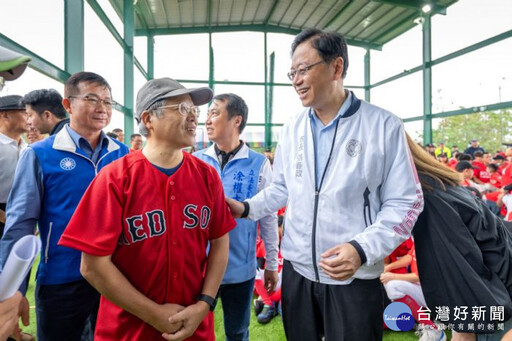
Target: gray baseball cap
[[162, 88]]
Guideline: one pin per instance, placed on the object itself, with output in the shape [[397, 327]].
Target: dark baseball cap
[[463, 165], [498, 157], [162, 88], [11, 102], [474, 140]]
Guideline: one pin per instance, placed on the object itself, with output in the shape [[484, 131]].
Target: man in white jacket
[[344, 171]]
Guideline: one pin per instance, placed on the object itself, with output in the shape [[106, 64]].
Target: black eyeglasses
[[95, 101], [302, 71]]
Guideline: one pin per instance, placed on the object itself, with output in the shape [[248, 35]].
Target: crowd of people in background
[[487, 174]]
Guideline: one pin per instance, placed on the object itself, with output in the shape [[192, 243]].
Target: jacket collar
[[64, 141], [243, 153], [59, 126]]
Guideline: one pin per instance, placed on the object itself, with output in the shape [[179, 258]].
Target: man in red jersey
[[145, 223]]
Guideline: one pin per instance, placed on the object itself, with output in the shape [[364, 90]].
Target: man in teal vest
[[244, 173]]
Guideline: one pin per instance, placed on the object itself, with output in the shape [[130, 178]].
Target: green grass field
[[272, 331]]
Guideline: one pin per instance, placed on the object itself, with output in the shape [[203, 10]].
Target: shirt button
[[174, 242], [171, 183], [173, 197], [175, 275]]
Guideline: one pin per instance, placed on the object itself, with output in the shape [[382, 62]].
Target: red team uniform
[[157, 229]]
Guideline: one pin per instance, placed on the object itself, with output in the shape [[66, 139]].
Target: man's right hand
[[236, 207], [9, 315], [161, 317], [3, 217]]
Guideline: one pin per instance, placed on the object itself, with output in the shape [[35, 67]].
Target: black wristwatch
[[212, 302]]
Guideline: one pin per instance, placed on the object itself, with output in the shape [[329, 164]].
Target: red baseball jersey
[[495, 180], [157, 230], [481, 171], [402, 250], [506, 178]]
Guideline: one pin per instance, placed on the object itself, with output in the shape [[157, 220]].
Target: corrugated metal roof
[[365, 23]]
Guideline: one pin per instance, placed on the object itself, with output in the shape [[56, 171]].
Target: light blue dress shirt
[[323, 136]]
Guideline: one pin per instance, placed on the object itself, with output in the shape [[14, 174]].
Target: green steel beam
[[476, 46], [209, 13], [151, 56], [316, 24], [37, 63], [298, 12], [238, 28], [211, 73], [268, 127], [267, 121], [399, 24], [129, 31], [338, 14], [111, 28], [458, 53], [367, 79], [74, 35], [284, 13], [464, 111], [255, 12], [415, 4], [312, 12], [427, 80], [254, 124], [397, 76], [199, 81], [271, 12]]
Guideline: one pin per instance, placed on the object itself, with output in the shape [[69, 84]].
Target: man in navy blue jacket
[[51, 178]]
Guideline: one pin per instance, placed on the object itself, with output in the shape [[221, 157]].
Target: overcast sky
[[481, 77]]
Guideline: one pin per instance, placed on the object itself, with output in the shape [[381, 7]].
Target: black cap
[[11, 102], [498, 157], [463, 165]]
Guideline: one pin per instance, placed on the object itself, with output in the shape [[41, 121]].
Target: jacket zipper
[[46, 251], [317, 197]]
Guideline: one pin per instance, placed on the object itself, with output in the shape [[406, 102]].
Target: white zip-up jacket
[[370, 193]]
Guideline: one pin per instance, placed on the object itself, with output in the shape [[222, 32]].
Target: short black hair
[[112, 135], [45, 99], [478, 154], [329, 45], [117, 130], [71, 86], [493, 166], [465, 157], [132, 136], [235, 106]]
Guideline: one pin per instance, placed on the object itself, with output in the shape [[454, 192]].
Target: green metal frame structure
[[74, 60]]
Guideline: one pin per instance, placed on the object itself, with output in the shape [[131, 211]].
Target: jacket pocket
[[366, 208]]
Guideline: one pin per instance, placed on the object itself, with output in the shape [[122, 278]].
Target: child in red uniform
[[267, 306], [406, 288]]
